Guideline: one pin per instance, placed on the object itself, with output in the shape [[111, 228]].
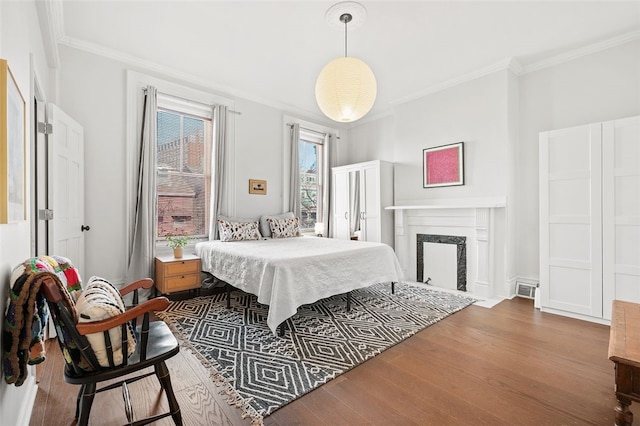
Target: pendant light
[[346, 87]]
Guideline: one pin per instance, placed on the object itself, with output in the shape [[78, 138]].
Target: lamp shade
[[346, 89]]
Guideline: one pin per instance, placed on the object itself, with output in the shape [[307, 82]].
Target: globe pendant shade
[[346, 89]]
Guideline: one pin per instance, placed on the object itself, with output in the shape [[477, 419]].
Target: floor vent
[[526, 290]]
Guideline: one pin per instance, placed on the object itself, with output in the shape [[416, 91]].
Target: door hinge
[[46, 128], [45, 214]]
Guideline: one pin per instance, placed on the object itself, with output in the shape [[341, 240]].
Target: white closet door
[[340, 204], [570, 220], [370, 202], [621, 211]]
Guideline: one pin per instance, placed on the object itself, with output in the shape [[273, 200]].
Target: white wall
[[474, 112], [373, 140], [598, 87], [477, 112], [21, 45], [499, 117], [258, 155], [93, 92]]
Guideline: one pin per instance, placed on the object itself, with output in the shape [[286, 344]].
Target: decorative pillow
[[101, 300], [265, 230], [284, 228], [238, 231]]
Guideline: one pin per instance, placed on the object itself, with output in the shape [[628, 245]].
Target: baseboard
[[575, 316], [24, 413]]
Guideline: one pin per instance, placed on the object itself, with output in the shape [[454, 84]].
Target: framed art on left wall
[[12, 148]]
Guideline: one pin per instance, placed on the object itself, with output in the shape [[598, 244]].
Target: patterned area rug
[[262, 372]]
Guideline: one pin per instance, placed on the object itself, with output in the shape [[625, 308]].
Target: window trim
[[136, 82], [287, 121]]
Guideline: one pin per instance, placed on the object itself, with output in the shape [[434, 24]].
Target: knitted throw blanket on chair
[[26, 315]]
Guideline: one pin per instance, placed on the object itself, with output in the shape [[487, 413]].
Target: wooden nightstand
[[177, 274]]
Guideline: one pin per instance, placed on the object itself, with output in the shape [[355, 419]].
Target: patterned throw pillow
[[101, 300], [265, 230], [285, 227], [238, 231]]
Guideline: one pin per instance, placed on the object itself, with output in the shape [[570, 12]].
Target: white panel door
[[66, 186], [621, 211], [570, 220], [340, 202], [370, 202]]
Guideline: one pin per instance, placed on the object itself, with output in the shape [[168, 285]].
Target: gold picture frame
[[257, 186], [13, 195]]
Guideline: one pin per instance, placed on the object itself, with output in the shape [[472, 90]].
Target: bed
[[285, 273]]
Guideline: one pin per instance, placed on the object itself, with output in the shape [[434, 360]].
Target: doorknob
[[85, 228]]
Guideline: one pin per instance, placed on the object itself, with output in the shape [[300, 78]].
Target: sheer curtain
[[330, 161], [142, 233], [294, 183], [217, 169]]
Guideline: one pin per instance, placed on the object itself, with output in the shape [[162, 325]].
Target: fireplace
[[460, 256], [482, 223]]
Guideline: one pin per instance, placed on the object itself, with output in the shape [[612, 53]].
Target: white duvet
[[290, 272]]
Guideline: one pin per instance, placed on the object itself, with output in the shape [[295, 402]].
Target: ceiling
[[273, 51]]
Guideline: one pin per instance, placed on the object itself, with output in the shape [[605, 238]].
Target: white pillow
[[284, 228], [238, 231], [100, 300], [265, 230]]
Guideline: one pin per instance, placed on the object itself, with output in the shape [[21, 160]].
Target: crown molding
[[50, 15], [507, 63], [166, 71], [582, 51]]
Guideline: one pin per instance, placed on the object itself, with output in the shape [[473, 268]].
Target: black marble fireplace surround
[[460, 242]]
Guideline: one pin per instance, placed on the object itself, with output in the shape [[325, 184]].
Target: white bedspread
[[290, 272]]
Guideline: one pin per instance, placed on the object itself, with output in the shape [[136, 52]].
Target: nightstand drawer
[[173, 275], [182, 267], [183, 282]]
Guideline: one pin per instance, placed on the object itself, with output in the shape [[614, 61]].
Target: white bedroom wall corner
[[512, 193], [21, 46], [563, 96]]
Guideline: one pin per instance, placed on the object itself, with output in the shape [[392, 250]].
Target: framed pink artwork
[[443, 165]]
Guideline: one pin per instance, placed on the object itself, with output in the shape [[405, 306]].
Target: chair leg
[[78, 399], [88, 391], [162, 372]]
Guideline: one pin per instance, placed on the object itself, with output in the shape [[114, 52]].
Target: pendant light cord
[[346, 18], [345, 37]]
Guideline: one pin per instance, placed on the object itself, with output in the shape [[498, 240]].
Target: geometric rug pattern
[[261, 372]]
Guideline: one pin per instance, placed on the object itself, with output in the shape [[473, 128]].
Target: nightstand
[[174, 275]]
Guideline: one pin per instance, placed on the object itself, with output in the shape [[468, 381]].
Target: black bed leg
[[281, 329], [349, 302], [228, 287], [393, 287]]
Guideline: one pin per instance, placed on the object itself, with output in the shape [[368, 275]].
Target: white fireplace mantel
[[453, 203], [474, 218]]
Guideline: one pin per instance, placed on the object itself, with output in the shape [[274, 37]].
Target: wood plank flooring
[[510, 365]]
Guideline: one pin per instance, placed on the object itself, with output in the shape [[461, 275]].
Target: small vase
[[177, 252]]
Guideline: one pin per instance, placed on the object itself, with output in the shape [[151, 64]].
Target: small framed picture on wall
[[443, 165], [257, 186]]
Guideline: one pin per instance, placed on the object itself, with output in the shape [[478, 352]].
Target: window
[[184, 142], [310, 147]]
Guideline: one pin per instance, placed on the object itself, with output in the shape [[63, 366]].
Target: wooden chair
[[155, 344]]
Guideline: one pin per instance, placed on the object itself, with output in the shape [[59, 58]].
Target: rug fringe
[[232, 395]]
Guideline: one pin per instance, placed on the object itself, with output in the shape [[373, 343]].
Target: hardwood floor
[[510, 365]]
